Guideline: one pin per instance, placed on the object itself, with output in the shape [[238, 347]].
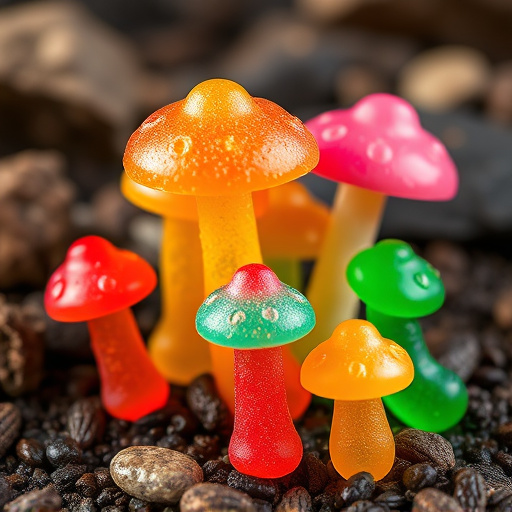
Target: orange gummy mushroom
[[356, 366], [98, 283], [220, 144], [292, 229]]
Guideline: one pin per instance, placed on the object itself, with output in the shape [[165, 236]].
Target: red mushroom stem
[[131, 387], [264, 442]]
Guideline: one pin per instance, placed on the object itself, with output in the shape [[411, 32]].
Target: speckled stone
[[154, 474]]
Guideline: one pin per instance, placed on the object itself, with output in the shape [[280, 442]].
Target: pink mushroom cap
[[379, 145]]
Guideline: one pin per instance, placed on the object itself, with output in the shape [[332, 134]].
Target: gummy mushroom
[[356, 366], [376, 149], [255, 314], [175, 338], [292, 229], [220, 144], [398, 286], [98, 283]]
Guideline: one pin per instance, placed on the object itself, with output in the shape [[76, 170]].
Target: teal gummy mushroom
[[397, 287], [255, 314]]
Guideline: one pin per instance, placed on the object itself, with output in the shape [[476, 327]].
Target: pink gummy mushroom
[[377, 148]]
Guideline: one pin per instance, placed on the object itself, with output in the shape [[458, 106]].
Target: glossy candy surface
[[355, 367], [376, 149], [397, 286], [255, 313], [98, 283], [219, 141], [220, 144], [380, 145]]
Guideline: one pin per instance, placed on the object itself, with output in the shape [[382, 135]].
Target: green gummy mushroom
[[397, 287]]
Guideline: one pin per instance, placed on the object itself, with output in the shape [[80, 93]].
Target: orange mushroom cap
[[356, 363], [176, 206], [219, 141], [294, 224]]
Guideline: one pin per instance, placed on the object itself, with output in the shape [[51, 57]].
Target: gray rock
[[296, 499], [154, 474], [215, 498]]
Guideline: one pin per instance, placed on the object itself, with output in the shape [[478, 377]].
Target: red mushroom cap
[[95, 280], [379, 145]]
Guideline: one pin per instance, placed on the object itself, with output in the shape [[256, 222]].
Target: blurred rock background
[[76, 78]]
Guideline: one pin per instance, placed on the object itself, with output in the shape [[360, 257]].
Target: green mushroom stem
[[437, 398]]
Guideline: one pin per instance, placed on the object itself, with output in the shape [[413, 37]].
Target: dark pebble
[[367, 506], [86, 421], [470, 490], [419, 446], [504, 434], [31, 451], [262, 488], [63, 451], [419, 476], [103, 478], [86, 485], [203, 448], [504, 460], [215, 498], [317, 476], [40, 499], [85, 505], [40, 478], [64, 478], [109, 496], [493, 475], [262, 505], [10, 424], [489, 377], [433, 500], [393, 499], [358, 487], [217, 471], [205, 403], [295, 500]]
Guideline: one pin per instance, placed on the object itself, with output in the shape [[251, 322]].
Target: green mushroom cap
[[254, 310], [392, 279]]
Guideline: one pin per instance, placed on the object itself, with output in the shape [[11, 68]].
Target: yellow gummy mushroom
[[175, 347], [356, 366], [220, 144]]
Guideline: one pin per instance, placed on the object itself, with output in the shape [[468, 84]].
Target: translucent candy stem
[[356, 217], [229, 240], [131, 386], [264, 441], [361, 439], [175, 347]]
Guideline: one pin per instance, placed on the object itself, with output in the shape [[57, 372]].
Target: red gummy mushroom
[[376, 149], [256, 314], [98, 283]]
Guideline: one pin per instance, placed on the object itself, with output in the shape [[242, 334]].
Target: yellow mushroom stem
[[229, 240], [176, 348], [355, 222], [361, 439]]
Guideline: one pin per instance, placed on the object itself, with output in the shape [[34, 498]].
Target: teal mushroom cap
[[392, 279], [254, 310]]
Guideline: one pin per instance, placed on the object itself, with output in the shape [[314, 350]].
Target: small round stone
[[215, 498], [155, 474]]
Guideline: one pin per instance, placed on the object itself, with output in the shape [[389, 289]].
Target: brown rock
[[35, 200], [215, 498], [21, 347], [296, 499], [154, 474], [46, 499], [445, 77], [470, 490], [64, 53], [419, 446], [432, 500]]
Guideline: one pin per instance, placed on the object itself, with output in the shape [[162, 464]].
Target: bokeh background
[[76, 78]]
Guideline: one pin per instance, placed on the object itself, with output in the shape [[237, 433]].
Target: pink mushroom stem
[[355, 222]]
